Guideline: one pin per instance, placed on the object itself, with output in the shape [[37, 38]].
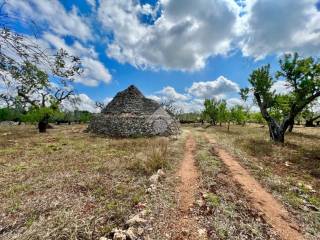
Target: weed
[[229, 212], [158, 156], [212, 199], [280, 167], [153, 158], [82, 185]]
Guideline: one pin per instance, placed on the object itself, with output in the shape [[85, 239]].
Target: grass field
[[289, 171], [68, 184], [228, 212]]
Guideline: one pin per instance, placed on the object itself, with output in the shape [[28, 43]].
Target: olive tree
[[211, 110], [310, 116], [33, 78], [302, 75], [238, 115]]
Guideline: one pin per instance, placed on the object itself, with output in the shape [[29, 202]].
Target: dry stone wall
[[130, 114]]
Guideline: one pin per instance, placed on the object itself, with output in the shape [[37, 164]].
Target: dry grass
[[289, 170], [228, 212], [155, 158], [68, 184]]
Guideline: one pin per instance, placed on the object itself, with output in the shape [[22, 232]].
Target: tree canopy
[[302, 76]]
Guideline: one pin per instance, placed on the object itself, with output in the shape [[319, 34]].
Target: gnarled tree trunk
[[276, 132], [291, 125], [43, 124], [309, 122]]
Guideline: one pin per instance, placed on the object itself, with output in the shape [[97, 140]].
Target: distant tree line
[[34, 115]]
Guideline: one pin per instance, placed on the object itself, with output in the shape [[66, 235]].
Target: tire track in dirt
[[274, 213], [184, 226]]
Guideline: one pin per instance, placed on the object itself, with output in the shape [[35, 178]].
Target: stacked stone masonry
[[130, 114]]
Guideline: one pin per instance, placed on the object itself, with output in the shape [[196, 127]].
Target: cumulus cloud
[[76, 48], [192, 99], [80, 102], [195, 105], [107, 100], [170, 94], [231, 102], [180, 34], [213, 89], [281, 87], [92, 3], [183, 34], [316, 106], [155, 98], [280, 26], [182, 101], [183, 37], [94, 71], [51, 15]]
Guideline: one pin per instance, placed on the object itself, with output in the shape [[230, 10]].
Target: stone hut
[[130, 114]]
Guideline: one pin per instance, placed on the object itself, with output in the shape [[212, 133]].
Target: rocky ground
[[68, 184]]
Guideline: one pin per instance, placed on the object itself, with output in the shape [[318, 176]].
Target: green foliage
[[238, 115], [244, 93], [218, 112], [10, 114], [309, 114], [261, 81], [210, 111], [256, 117], [302, 75], [33, 90], [75, 116], [223, 112], [212, 199], [84, 116], [190, 117], [38, 114]]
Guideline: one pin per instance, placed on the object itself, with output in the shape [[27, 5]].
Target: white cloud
[[155, 98], [186, 34], [51, 15], [195, 105], [316, 106], [94, 71], [92, 3], [231, 102], [280, 26], [83, 103], [107, 100], [192, 99], [169, 94], [281, 87], [180, 34], [76, 49], [181, 101], [213, 89]]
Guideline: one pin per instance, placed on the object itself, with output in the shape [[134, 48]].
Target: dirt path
[[185, 225], [275, 214]]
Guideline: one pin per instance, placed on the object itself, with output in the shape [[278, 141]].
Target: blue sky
[[180, 50]]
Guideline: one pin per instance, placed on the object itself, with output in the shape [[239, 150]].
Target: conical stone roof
[[131, 100], [130, 114]]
